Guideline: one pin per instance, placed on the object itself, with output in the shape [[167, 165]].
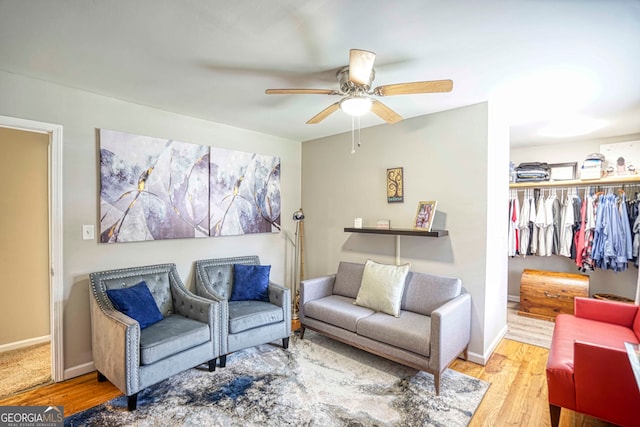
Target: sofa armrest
[[115, 347], [450, 331], [316, 288], [618, 313], [604, 383]]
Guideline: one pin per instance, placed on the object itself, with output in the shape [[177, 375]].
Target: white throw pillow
[[382, 286]]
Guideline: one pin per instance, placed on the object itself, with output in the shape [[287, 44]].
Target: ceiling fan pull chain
[[358, 131], [353, 137]]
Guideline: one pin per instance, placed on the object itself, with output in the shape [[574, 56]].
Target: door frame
[[56, 288]]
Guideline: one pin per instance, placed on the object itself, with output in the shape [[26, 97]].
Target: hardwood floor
[[517, 395]]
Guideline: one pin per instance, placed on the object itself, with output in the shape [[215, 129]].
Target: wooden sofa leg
[[132, 402], [101, 378], [212, 365], [436, 380], [301, 332], [223, 361], [285, 342], [554, 411]]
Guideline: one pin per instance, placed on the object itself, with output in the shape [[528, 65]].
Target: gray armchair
[[133, 358], [244, 323]]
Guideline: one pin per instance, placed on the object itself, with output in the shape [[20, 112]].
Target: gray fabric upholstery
[[243, 323], [337, 310], [426, 292], [348, 279], [171, 335], [220, 278], [188, 336], [245, 315], [433, 329], [411, 331]]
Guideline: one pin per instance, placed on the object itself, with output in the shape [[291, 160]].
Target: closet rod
[[596, 187]]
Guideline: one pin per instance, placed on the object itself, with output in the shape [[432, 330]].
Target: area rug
[[24, 368], [316, 382], [527, 329]]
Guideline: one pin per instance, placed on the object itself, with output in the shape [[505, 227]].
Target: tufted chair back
[[155, 276], [216, 275]]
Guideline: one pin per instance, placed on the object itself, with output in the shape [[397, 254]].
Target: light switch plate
[[87, 232]]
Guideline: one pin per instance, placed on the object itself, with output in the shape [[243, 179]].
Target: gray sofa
[[243, 324], [132, 358], [434, 326]]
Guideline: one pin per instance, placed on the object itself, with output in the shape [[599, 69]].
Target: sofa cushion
[[245, 315], [382, 287], [426, 292], [409, 331], [250, 283], [170, 336], [336, 310], [136, 302], [348, 279]]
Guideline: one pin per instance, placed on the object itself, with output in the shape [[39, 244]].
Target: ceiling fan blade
[[384, 112], [324, 114], [360, 66], [416, 87], [300, 91]]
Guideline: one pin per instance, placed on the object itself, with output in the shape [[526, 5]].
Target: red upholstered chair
[[588, 370]]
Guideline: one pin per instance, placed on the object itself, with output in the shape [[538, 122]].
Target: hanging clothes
[[611, 245], [514, 212], [566, 224], [523, 224], [541, 224], [533, 244], [549, 224]]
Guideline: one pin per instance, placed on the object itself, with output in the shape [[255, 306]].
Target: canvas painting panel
[[152, 188], [245, 193]]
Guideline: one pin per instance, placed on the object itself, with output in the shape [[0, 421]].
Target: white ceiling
[[214, 59]]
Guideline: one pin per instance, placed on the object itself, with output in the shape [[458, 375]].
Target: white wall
[[601, 281], [82, 114], [445, 158]]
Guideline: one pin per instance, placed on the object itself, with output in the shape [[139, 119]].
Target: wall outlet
[[87, 232]]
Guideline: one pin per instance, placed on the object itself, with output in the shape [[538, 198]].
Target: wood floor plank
[[75, 395]]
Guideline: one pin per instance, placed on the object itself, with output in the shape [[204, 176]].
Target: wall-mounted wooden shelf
[[398, 232], [610, 180]]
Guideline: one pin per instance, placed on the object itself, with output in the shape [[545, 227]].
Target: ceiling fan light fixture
[[356, 105]]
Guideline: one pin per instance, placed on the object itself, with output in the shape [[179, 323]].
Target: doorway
[[53, 247]]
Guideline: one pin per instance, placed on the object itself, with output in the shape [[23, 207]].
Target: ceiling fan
[[355, 87]]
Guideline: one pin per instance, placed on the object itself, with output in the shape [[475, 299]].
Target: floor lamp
[[298, 263]]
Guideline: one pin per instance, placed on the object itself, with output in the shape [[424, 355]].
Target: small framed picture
[[424, 215], [563, 171], [395, 185]]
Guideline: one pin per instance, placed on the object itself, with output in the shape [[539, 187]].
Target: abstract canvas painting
[[245, 193], [152, 188], [155, 188]]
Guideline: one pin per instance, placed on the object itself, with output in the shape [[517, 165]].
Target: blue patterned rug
[[317, 382]]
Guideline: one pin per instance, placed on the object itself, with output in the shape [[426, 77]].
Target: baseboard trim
[[513, 298], [78, 370], [24, 343], [482, 359]]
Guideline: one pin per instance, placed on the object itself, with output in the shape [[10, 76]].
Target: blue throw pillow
[[136, 302], [250, 282]]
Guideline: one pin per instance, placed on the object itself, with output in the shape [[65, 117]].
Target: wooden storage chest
[[544, 294]]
